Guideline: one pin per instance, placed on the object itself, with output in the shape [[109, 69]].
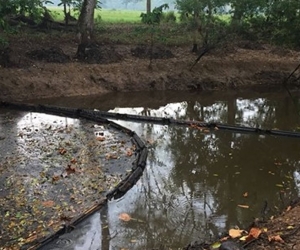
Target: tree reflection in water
[[195, 180]]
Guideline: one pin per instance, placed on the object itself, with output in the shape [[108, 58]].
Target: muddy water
[[197, 184]]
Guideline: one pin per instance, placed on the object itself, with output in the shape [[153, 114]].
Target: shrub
[[169, 17]]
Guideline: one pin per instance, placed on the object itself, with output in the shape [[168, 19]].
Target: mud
[[47, 67]]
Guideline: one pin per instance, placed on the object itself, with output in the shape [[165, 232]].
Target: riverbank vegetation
[[203, 22]]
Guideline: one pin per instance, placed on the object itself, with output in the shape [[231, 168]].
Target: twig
[[204, 51]]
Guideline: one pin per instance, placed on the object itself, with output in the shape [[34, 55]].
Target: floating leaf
[[62, 151], [234, 233], [129, 153], [124, 217], [55, 178], [243, 206], [73, 161], [70, 169], [49, 203], [111, 156], [245, 194], [100, 138]]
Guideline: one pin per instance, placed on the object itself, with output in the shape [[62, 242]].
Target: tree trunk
[[66, 16], [148, 7], [237, 16], [85, 26]]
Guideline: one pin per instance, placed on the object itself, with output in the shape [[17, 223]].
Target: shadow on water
[[199, 184]]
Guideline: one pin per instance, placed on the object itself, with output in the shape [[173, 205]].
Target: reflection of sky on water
[[38, 120], [184, 212]]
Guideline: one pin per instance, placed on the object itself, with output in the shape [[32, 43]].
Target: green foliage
[[32, 8], [3, 43], [169, 17], [76, 4], [155, 16]]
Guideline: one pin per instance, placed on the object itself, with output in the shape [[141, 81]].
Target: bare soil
[[44, 66]]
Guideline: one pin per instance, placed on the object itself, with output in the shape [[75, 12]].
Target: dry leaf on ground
[[254, 232], [276, 238], [234, 233]]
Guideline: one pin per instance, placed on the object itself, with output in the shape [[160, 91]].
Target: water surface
[[199, 184]]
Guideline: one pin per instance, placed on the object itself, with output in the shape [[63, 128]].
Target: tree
[[148, 6], [245, 8], [86, 25], [199, 16]]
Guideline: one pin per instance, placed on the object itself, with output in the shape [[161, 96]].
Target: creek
[[198, 184]]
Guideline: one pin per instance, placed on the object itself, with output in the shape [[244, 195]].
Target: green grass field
[[105, 15]]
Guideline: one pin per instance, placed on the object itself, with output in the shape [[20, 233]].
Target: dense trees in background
[[277, 21]]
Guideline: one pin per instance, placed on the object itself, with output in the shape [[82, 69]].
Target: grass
[[119, 16], [125, 27], [105, 15]]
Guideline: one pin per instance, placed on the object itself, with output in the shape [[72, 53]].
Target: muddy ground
[[44, 66]]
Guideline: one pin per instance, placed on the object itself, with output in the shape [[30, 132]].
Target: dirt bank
[[47, 68]]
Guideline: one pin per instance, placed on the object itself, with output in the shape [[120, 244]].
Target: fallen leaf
[[254, 232], [216, 245], [224, 238], [64, 217], [70, 169], [100, 138], [110, 156], [243, 206], [288, 208], [73, 161], [276, 238], [49, 203], [55, 178], [234, 233], [124, 217], [244, 238]]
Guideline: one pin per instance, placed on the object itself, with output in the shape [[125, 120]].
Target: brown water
[[195, 181]]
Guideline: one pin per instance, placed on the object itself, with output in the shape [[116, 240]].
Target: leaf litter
[[52, 170]]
